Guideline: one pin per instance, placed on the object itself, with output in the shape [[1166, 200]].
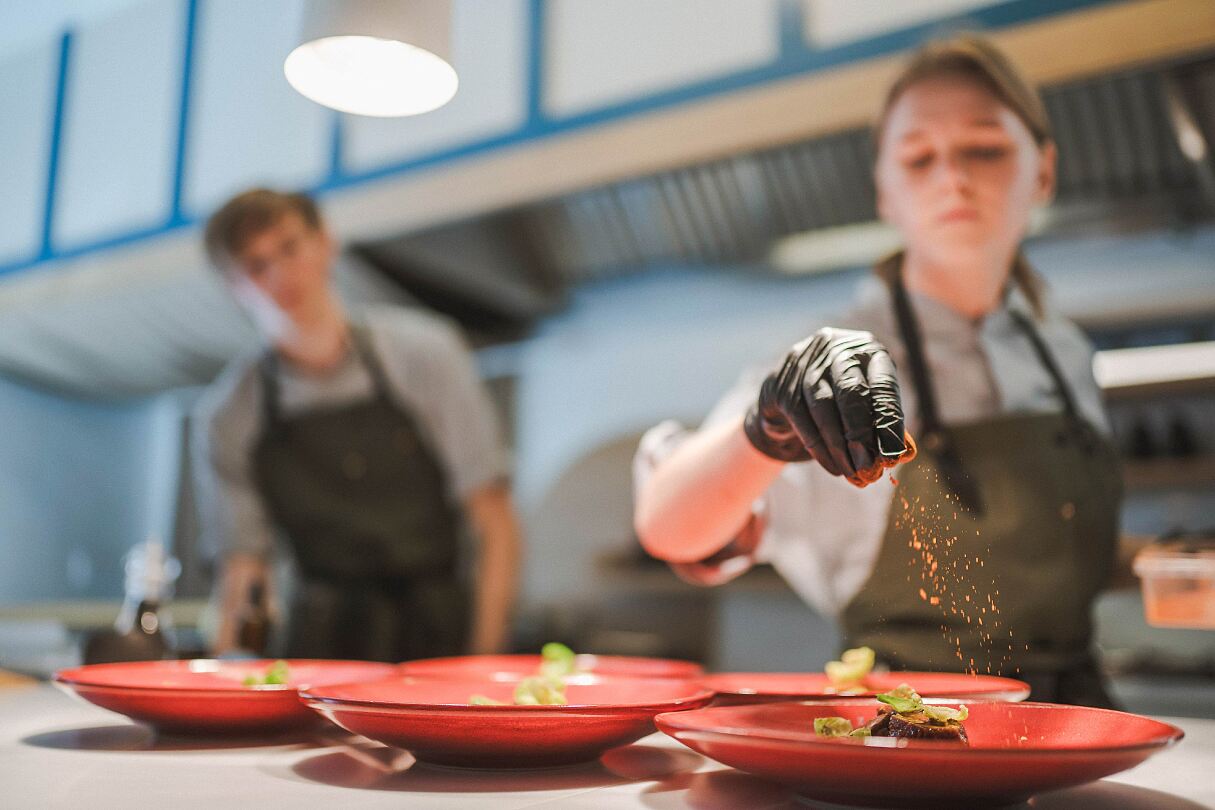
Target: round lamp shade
[[375, 57]]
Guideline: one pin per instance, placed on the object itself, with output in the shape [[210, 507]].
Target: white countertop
[[58, 752]]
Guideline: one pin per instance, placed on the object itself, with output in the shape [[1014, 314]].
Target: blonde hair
[[975, 59]]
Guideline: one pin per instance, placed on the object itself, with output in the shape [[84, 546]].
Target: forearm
[[241, 571], [497, 571], [700, 498]]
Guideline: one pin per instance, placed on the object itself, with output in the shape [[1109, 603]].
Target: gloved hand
[[834, 399]]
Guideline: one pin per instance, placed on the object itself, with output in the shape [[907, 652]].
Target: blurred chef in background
[[989, 552], [362, 444]]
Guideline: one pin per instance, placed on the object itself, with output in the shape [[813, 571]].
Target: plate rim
[[65, 678], [1171, 737]]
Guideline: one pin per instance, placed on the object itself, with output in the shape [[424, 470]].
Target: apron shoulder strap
[[361, 340], [268, 369], [1048, 362], [909, 331]]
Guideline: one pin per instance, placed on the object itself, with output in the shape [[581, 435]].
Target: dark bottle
[[253, 634], [1180, 440], [141, 631]]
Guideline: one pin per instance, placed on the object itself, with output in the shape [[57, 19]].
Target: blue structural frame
[[795, 57], [46, 248]]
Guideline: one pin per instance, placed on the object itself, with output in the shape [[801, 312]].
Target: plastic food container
[[1178, 580]]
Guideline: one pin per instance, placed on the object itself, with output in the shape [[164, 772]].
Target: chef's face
[[958, 174], [282, 273]]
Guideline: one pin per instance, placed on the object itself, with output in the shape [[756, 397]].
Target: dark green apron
[[364, 505], [1001, 534]]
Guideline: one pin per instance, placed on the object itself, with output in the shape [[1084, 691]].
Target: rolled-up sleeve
[[737, 557], [225, 426]]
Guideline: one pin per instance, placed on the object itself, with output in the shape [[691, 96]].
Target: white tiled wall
[[601, 53], [247, 125]]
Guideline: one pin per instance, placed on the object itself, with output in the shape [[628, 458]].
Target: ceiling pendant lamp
[[383, 58]]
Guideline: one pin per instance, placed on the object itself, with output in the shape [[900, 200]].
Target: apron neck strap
[[1048, 362], [271, 412], [909, 331], [360, 341]]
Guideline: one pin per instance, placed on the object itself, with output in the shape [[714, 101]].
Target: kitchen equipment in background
[[143, 630], [371, 57], [1177, 575], [253, 634]]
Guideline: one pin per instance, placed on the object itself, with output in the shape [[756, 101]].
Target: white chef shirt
[[823, 534]]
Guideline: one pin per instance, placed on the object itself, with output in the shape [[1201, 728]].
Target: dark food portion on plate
[[904, 715]]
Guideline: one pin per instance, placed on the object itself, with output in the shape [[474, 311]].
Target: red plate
[[1015, 751], [510, 667], [433, 719], [207, 696], [734, 688]]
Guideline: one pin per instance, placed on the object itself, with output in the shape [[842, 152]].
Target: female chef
[[987, 553]]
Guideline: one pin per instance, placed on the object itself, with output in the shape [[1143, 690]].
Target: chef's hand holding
[[835, 399]]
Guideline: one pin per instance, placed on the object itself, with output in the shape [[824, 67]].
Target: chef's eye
[[922, 161], [291, 247], [989, 153]]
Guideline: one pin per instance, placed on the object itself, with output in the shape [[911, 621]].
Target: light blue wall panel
[[247, 125], [74, 494], [27, 97], [836, 22], [600, 53], [490, 46], [120, 128]]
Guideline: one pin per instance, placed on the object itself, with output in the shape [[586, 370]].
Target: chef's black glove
[[835, 399]]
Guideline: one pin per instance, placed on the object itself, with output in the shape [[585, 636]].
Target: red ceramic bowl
[[207, 696], [432, 718], [510, 667], [1015, 751], [736, 688]]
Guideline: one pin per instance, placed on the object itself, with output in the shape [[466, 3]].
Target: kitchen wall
[[79, 484]]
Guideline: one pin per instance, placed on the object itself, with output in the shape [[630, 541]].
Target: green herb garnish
[[838, 727], [537, 690], [540, 690], [832, 727], [276, 675], [557, 660], [905, 700], [902, 699], [852, 667]]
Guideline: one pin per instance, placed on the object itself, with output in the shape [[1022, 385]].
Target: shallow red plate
[[1015, 751], [735, 688], [207, 696], [509, 667], [432, 718]]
